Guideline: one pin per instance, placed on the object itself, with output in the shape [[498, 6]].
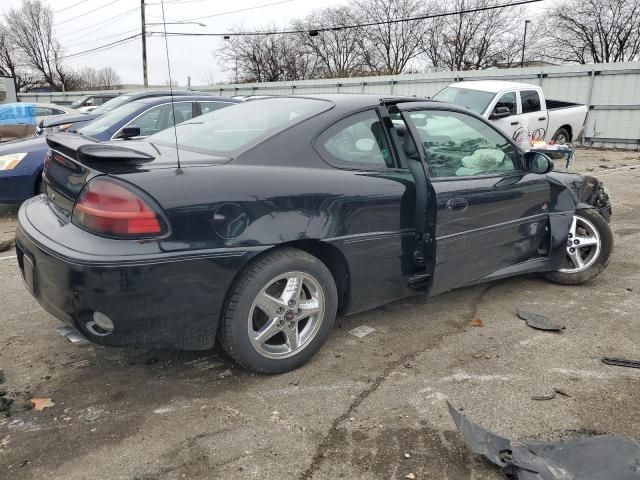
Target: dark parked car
[[21, 162], [273, 216], [89, 103], [73, 123]]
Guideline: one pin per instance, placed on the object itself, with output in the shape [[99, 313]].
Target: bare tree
[[32, 32], [266, 58], [108, 78], [585, 31], [338, 51], [475, 40], [12, 63], [389, 47]]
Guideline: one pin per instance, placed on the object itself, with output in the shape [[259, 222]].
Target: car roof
[[493, 86], [183, 98], [350, 100]]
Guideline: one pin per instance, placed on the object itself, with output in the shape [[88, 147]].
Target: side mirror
[[500, 112], [537, 162], [129, 132]]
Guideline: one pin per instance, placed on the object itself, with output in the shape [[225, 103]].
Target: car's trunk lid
[[74, 160]]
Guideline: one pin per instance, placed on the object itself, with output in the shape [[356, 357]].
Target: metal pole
[[144, 45], [524, 41]]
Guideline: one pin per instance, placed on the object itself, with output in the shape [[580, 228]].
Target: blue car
[[21, 162]]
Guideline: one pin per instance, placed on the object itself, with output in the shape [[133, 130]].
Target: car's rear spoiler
[[88, 151]]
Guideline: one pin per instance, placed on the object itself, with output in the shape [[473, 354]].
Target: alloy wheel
[[286, 315], [583, 245]]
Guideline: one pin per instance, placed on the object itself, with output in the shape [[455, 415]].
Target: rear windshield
[[229, 131], [475, 100], [112, 104]]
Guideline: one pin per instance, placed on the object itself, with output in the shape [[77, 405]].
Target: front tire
[[280, 312], [589, 248]]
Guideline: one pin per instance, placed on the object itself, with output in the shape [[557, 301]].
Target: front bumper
[[155, 300]]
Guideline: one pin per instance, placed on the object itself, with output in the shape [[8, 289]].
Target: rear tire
[[588, 261], [280, 312], [562, 136]]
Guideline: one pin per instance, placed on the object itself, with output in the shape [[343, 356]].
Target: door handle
[[457, 204], [515, 123], [542, 118]]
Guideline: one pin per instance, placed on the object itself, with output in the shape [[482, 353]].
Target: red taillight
[[112, 208]]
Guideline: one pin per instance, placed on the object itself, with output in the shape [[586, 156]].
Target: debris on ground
[[539, 322], [621, 362], [410, 476], [542, 398], [6, 245], [362, 331], [585, 458], [476, 322], [91, 414], [559, 391], [407, 455], [40, 404], [5, 403]]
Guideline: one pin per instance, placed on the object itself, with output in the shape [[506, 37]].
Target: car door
[[509, 124], [489, 213], [533, 116]]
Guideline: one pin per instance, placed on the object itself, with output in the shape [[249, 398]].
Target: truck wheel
[[280, 312], [589, 248], [562, 136]]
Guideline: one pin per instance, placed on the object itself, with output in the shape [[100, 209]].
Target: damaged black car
[[256, 225]]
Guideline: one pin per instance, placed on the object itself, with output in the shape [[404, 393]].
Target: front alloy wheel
[[588, 249], [583, 245]]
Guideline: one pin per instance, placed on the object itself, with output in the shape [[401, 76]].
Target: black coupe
[[259, 223]]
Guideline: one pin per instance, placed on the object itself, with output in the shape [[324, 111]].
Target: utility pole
[[524, 41], [144, 45]]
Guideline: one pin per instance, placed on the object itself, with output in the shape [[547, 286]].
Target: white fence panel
[[611, 91]]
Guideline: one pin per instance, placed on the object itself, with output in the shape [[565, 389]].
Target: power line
[[238, 11], [100, 24], [101, 47], [86, 13], [93, 40], [70, 7], [346, 27]]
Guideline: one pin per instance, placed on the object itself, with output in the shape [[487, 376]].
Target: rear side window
[[208, 107], [357, 141], [530, 101]]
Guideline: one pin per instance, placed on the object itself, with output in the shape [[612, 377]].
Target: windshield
[[107, 121], [79, 102], [228, 131], [112, 104], [475, 100]]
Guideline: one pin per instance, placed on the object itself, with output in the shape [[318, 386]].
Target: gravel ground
[[360, 405]]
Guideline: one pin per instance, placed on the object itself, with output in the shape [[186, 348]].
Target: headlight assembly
[[10, 161]]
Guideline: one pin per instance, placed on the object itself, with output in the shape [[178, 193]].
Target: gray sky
[[190, 56]]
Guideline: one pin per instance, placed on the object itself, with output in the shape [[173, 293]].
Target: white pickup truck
[[516, 107]]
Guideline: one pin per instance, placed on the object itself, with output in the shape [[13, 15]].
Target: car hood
[[24, 145], [56, 120]]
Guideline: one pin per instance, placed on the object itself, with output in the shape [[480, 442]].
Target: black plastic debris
[[542, 398], [539, 321], [586, 458], [621, 362]]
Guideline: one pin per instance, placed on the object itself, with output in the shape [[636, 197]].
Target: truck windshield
[[475, 100]]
